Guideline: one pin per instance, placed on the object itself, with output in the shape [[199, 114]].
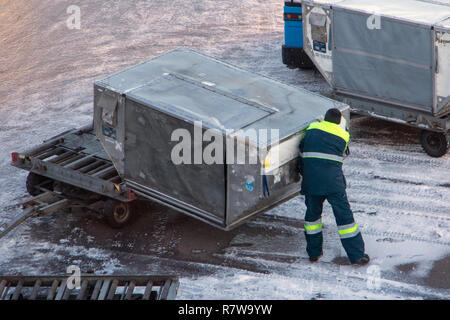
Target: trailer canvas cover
[[136, 112]]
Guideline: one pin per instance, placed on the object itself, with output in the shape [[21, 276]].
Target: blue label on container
[[319, 46], [250, 183], [108, 131]]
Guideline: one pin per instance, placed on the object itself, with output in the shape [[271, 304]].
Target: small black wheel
[[33, 180], [305, 61], [296, 58], [117, 214], [435, 144]]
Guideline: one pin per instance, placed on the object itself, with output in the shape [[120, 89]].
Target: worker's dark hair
[[333, 115]]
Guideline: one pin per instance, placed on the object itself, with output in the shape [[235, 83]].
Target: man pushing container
[[322, 151]]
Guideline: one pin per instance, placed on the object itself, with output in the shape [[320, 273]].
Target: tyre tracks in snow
[[399, 194]]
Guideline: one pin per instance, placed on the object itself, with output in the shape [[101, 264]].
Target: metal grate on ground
[[92, 287]]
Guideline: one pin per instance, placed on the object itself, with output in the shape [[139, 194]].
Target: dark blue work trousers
[[351, 241]]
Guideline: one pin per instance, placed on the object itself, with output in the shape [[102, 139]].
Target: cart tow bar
[[41, 205]]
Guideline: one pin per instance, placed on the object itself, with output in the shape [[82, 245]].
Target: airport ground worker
[[322, 153]]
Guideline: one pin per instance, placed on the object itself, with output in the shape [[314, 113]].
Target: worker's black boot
[[362, 261], [315, 259]]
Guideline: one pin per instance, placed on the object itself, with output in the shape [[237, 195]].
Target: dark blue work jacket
[[322, 151]]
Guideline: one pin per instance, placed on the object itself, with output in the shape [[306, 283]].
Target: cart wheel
[[435, 144], [117, 214], [33, 180]]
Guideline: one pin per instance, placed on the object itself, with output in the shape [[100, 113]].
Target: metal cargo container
[[396, 51], [388, 58], [141, 113]]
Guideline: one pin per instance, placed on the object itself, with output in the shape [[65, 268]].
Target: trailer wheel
[[117, 214], [296, 58], [33, 180], [435, 144]]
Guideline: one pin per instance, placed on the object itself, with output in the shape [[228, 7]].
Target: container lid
[[195, 87], [444, 25], [422, 12], [191, 100]]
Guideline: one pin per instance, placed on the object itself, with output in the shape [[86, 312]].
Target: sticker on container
[[250, 183], [108, 131], [319, 46]]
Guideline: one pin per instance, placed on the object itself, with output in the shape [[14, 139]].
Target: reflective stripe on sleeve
[[320, 155], [313, 227], [348, 230]]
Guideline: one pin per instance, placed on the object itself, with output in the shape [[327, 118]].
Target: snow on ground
[[399, 195]]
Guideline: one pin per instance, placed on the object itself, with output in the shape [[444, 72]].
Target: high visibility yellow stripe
[[330, 128], [347, 231], [314, 227]]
